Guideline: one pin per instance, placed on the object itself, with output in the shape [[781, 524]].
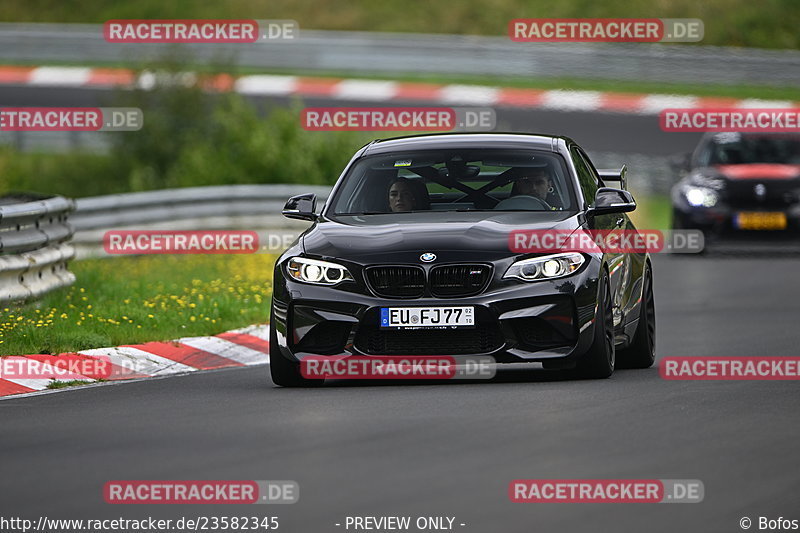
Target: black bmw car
[[741, 185], [410, 256]]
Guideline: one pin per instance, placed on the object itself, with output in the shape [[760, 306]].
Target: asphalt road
[[450, 449]]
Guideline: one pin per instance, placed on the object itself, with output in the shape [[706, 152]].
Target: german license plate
[[761, 221], [427, 317]]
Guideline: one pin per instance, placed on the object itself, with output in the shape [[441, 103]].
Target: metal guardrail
[[169, 205], [252, 207], [422, 53], [37, 240], [34, 247]]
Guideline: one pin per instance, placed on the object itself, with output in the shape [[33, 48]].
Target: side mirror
[[608, 201], [619, 175], [301, 207]]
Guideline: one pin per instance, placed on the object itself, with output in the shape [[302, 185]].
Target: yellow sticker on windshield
[[403, 163]]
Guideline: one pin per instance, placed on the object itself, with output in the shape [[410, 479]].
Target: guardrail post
[[34, 246]]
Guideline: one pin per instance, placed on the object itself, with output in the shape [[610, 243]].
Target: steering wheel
[[522, 202]]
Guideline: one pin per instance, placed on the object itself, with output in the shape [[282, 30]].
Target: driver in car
[[401, 196]]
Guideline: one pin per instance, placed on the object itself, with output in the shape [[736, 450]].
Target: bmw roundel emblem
[[427, 257]]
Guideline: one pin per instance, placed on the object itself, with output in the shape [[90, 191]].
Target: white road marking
[[365, 90], [264, 84], [756, 103], [655, 103], [469, 94], [35, 384], [256, 330], [140, 362], [572, 100], [227, 349], [60, 76]]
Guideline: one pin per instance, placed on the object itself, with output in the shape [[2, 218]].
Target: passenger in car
[[536, 182]]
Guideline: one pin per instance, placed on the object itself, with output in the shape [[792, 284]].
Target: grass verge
[[652, 212], [132, 300], [57, 384]]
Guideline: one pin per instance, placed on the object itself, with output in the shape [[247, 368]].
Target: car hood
[[392, 238], [759, 171]]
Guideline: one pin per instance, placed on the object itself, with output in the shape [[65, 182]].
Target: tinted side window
[[704, 155], [592, 168], [586, 177]]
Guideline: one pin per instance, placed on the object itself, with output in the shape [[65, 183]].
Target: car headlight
[[700, 196], [317, 272], [545, 267]]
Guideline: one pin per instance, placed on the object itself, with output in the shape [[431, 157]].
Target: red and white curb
[[237, 348], [386, 91]]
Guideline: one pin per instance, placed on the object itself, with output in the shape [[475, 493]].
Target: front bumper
[[515, 322], [722, 217]]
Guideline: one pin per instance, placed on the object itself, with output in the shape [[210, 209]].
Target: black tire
[[286, 373], [598, 361], [642, 351]]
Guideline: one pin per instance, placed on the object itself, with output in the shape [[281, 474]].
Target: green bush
[[71, 174], [190, 138], [241, 147], [194, 138]]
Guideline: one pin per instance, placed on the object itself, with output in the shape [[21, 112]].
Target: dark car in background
[[418, 227], [739, 184]]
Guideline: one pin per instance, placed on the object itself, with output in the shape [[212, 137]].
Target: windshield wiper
[[360, 213], [378, 213]]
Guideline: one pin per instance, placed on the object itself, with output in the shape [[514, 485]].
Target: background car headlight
[[700, 196], [546, 267], [317, 272]]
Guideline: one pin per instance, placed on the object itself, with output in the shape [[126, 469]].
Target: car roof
[[464, 140]]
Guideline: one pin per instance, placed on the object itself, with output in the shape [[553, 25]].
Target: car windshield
[[455, 180], [737, 149]]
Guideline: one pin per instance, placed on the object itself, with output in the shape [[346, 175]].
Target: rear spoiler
[[620, 175]]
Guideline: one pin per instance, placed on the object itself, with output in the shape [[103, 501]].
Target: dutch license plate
[[427, 317], [761, 221]]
